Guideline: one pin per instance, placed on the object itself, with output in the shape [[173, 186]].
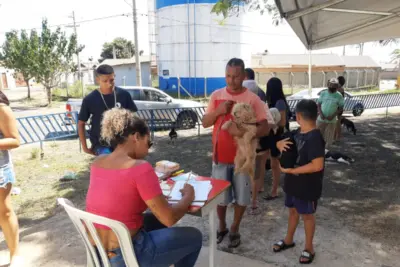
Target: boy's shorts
[[240, 184], [302, 206]]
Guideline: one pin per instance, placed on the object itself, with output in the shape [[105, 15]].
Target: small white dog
[[276, 115]]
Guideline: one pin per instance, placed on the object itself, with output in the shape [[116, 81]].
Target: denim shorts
[[7, 175], [239, 191]]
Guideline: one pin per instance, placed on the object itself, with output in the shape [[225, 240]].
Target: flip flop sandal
[[270, 197], [254, 211], [308, 256], [282, 246], [234, 240], [221, 235]]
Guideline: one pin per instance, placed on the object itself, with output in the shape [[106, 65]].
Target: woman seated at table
[[123, 185]]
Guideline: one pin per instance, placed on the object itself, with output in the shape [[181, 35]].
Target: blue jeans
[[158, 246], [101, 150]]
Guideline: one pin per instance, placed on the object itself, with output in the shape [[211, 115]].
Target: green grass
[[74, 91], [39, 179]]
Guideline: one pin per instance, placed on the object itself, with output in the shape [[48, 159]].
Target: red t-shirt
[[120, 194], [224, 146]]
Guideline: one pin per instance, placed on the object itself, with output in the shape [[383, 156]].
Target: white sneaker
[[17, 261]]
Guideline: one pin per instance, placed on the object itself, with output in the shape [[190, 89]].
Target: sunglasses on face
[[149, 144]]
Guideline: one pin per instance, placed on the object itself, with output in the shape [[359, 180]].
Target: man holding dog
[[224, 147]]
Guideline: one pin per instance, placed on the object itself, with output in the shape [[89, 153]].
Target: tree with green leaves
[[54, 57], [122, 48], [232, 8], [20, 54]]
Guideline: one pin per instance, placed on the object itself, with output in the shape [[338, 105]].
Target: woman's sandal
[[234, 240], [282, 246], [221, 235], [307, 256], [269, 198]]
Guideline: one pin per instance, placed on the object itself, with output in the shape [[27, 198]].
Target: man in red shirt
[[224, 147]]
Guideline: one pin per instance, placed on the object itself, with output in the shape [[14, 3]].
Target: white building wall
[[126, 74]]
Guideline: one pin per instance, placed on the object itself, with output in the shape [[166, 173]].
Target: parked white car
[[352, 104], [180, 112]]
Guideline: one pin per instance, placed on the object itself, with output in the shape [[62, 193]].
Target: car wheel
[[186, 120], [358, 109]]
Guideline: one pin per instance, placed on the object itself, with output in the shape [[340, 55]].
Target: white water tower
[[195, 45]]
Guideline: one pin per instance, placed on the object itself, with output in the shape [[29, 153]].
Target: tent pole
[[309, 72]]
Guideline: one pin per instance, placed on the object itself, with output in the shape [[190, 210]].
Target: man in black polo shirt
[[96, 103]]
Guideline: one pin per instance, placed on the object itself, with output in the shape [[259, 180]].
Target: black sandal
[[221, 235], [308, 256], [282, 246], [268, 198], [234, 240]]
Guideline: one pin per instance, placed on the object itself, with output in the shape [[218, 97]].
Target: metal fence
[[358, 103], [178, 118], [41, 128]]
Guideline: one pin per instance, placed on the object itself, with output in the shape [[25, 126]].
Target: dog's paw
[[226, 125]]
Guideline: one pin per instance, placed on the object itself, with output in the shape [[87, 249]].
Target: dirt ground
[[357, 219]]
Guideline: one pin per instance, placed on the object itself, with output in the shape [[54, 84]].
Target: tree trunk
[[49, 98], [29, 88]]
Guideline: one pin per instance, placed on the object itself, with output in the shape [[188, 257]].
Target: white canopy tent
[[328, 23]]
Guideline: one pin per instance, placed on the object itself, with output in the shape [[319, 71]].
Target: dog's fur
[[349, 125], [276, 115], [245, 119], [338, 157]]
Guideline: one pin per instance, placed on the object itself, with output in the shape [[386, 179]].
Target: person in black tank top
[[276, 99]]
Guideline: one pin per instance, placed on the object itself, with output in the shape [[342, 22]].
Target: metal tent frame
[[329, 23]]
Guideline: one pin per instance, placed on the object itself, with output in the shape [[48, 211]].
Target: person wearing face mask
[[330, 104]]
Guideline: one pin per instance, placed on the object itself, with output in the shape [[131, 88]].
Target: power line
[[80, 22], [217, 26]]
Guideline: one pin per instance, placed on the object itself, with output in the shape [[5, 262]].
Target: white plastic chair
[[81, 218]]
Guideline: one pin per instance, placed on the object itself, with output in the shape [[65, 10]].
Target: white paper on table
[[184, 177], [201, 190]]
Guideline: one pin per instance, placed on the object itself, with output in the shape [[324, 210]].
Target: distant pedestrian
[[250, 83], [96, 103], [330, 104]]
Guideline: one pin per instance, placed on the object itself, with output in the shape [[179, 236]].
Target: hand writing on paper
[[188, 191]]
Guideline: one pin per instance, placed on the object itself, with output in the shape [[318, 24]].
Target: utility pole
[[77, 53], [137, 56]]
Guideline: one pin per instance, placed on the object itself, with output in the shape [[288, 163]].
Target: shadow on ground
[[357, 217]]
